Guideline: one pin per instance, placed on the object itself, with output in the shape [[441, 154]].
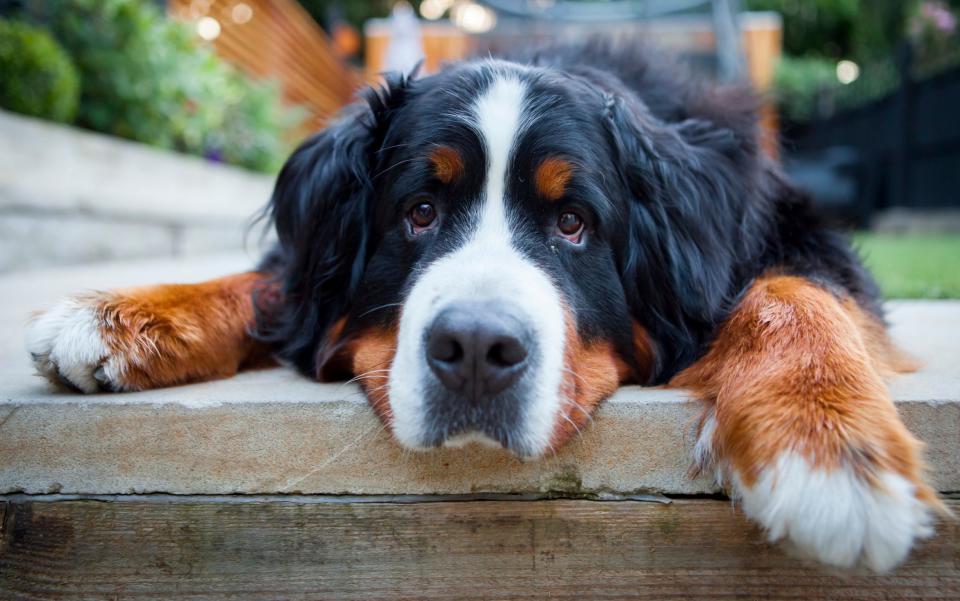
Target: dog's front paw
[[69, 346], [837, 515]]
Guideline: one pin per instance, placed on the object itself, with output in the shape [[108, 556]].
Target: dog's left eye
[[422, 217], [570, 226]]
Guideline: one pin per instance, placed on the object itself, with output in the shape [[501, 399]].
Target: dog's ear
[[694, 219], [322, 210]]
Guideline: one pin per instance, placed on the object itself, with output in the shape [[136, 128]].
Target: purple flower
[[939, 16]]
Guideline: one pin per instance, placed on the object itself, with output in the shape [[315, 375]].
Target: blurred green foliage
[[38, 77], [807, 88], [860, 30], [802, 84], [872, 33], [147, 78]]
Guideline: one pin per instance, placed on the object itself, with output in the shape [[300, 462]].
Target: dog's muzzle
[[480, 351]]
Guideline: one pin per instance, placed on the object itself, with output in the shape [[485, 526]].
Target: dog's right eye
[[570, 226], [422, 217]]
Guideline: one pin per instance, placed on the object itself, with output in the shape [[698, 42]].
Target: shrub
[[147, 78], [807, 88], [804, 86], [935, 36], [861, 30], [36, 76], [878, 78]]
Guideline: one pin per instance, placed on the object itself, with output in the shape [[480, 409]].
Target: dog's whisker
[[391, 351], [574, 374], [386, 148], [366, 374], [585, 413], [572, 423], [375, 309], [394, 166], [378, 389]]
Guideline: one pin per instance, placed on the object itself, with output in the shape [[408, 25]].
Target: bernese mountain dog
[[492, 250]]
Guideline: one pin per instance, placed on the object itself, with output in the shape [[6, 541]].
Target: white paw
[[834, 515], [68, 347]]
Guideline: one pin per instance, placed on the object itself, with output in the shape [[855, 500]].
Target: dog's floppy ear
[[693, 215], [321, 208]]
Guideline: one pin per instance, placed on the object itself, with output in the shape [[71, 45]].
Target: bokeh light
[[434, 9], [847, 72], [208, 28], [472, 17], [241, 13]]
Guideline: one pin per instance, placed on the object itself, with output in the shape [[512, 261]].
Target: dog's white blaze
[[834, 515], [498, 118], [486, 267]]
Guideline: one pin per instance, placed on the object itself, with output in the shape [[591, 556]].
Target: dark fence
[[900, 151]]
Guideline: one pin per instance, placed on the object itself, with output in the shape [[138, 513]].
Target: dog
[[493, 249]]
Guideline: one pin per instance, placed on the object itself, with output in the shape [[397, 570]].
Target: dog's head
[[492, 250]]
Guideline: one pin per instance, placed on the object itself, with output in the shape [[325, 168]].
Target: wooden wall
[[762, 42], [277, 39], [442, 42], [255, 548], [281, 41]]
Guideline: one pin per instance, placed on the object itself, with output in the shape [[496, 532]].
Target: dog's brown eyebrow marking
[[552, 177], [447, 163]]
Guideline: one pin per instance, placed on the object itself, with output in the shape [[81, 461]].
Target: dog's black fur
[[684, 208]]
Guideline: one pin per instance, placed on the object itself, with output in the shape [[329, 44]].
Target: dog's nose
[[478, 349]]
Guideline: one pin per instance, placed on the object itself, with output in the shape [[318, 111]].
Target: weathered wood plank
[[691, 549]]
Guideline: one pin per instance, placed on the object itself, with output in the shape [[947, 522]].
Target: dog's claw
[[104, 383]]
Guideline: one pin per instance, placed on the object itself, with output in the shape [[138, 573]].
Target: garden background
[[156, 73]]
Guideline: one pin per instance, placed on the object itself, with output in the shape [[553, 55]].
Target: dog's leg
[[147, 337], [802, 430]]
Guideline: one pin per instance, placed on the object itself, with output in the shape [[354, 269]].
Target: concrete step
[[70, 196], [273, 431]]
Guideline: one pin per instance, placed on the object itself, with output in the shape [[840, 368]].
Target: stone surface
[[31, 240], [916, 221], [70, 196], [273, 431]]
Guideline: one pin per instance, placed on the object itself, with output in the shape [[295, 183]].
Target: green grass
[[913, 265]]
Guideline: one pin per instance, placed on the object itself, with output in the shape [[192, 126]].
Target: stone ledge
[[71, 196], [48, 166], [273, 431]]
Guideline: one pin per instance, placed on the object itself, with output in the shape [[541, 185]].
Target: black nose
[[478, 349]]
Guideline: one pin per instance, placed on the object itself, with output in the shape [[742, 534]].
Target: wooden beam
[[565, 549]]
